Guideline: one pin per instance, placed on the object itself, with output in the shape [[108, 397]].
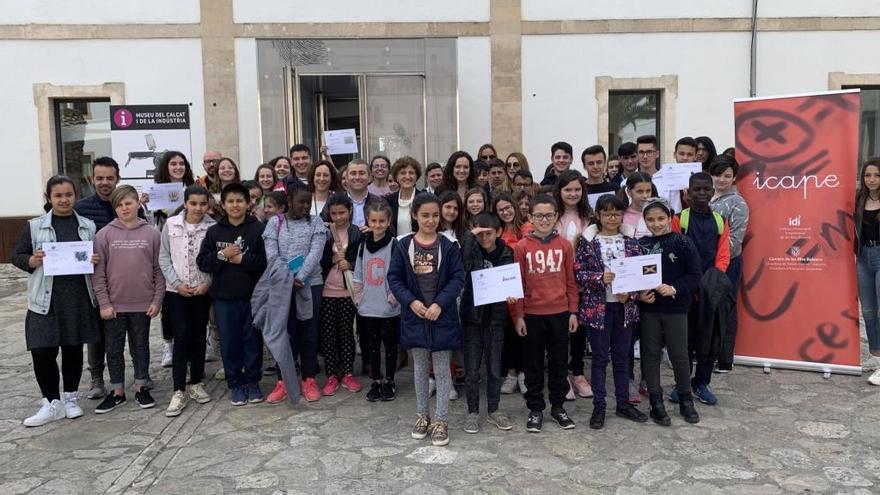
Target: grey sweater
[[371, 271], [734, 209], [292, 238]]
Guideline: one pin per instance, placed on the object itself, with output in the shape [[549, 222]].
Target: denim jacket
[[40, 287]]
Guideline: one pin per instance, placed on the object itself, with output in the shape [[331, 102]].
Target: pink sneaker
[[278, 394], [331, 386], [351, 383], [310, 390], [582, 386]]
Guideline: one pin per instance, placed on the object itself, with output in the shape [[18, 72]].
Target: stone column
[[505, 32], [218, 72]]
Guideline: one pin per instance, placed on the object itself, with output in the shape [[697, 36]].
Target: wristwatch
[[221, 256]]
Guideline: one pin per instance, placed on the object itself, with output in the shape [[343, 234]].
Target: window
[[82, 133], [869, 123], [632, 114]]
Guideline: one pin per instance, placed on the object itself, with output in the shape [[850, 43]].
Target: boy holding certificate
[[483, 326]]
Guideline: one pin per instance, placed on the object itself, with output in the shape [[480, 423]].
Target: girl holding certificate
[[61, 309]]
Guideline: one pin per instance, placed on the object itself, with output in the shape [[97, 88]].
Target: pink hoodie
[[128, 278]]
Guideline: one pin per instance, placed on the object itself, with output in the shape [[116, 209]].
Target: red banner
[[798, 160]]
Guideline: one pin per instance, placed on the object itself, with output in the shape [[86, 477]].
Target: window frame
[[658, 112], [56, 122]]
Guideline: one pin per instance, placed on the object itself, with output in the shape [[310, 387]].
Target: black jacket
[[231, 281], [714, 309], [473, 256], [354, 241], [680, 269], [393, 201], [97, 210]]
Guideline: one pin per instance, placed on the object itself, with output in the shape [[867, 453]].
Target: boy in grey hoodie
[[129, 287]]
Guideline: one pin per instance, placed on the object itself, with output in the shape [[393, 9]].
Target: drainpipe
[[753, 70]]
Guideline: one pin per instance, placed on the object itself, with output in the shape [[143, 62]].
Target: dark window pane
[[869, 126], [630, 115], [82, 130]]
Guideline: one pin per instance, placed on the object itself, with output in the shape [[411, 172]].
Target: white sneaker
[[178, 402], [432, 387], [198, 393], [874, 379], [167, 355], [49, 411], [521, 378], [509, 384], [453, 394], [71, 405]]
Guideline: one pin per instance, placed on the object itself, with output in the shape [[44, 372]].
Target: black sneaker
[[375, 392], [629, 411], [144, 399], [562, 419], [110, 402], [389, 391], [535, 422], [597, 419]]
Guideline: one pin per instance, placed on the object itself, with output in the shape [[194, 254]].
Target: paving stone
[[655, 472], [720, 472], [845, 476]]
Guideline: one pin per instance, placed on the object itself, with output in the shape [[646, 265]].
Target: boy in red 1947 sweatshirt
[[547, 313]]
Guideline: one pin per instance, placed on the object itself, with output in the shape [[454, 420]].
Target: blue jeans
[[241, 345], [868, 276], [611, 343]]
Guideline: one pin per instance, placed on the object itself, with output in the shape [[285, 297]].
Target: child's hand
[[647, 296], [391, 300], [95, 259], [153, 310], [108, 313], [236, 260], [231, 251], [520, 326], [297, 284], [36, 260], [623, 298], [343, 265], [418, 308], [184, 290], [145, 198], [433, 312], [365, 229], [572, 324], [607, 277], [200, 290], [666, 290], [511, 300], [479, 230]]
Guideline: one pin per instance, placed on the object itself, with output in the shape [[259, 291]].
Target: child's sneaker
[[255, 395], [500, 420], [521, 380], [198, 393], [331, 386], [310, 390], [351, 383], [389, 391], [472, 423], [535, 422], [71, 405], [375, 392], [144, 399], [420, 430], [440, 434], [238, 396], [49, 411], [110, 402], [509, 384], [582, 386], [562, 419], [705, 395], [278, 394], [874, 379], [177, 404]]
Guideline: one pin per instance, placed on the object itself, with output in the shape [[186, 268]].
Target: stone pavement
[[777, 433]]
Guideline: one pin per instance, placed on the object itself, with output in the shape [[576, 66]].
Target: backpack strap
[[719, 222], [685, 215]]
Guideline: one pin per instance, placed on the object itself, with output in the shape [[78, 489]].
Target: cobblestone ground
[[776, 433]]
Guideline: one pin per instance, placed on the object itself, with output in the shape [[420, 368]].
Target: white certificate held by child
[[636, 273], [68, 258], [494, 285]]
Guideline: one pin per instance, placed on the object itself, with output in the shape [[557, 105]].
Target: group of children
[[412, 290]]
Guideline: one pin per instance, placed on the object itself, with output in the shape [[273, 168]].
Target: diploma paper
[[636, 273], [68, 258], [165, 196], [594, 198], [341, 142], [675, 176], [494, 285]]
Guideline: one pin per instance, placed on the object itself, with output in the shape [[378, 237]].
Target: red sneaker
[[310, 390], [351, 383], [278, 394], [330, 387]]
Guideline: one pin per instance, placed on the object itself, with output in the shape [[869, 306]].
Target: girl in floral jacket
[[609, 316]]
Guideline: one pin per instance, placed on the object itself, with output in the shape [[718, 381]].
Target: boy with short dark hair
[[543, 317], [232, 252], [483, 326], [560, 161]]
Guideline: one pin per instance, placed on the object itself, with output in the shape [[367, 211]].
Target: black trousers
[[46, 369], [381, 332], [512, 354], [187, 318], [671, 330], [546, 334], [578, 350]]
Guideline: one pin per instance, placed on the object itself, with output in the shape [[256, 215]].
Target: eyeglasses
[[505, 209], [205, 162], [646, 153], [610, 214], [543, 216], [513, 165]]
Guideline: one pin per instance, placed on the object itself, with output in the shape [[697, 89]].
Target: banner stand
[[825, 369]]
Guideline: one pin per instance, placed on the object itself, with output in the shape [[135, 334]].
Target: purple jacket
[[588, 272]]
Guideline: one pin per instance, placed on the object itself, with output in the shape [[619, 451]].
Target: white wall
[[535, 10], [249, 140], [474, 93], [133, 62], [360, 11], [99, 12], [559, 76]]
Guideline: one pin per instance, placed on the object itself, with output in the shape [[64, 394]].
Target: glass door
[[396, 116]]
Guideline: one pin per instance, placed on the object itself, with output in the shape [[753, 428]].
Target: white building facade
[[413, 77]]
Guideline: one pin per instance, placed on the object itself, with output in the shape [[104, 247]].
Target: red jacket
[[547, 269]]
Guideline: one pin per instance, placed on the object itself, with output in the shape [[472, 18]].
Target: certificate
[[494, 285], [167, 196], [594, 198], [68, 258], [341, 142], [675, 176], [636, 273]]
